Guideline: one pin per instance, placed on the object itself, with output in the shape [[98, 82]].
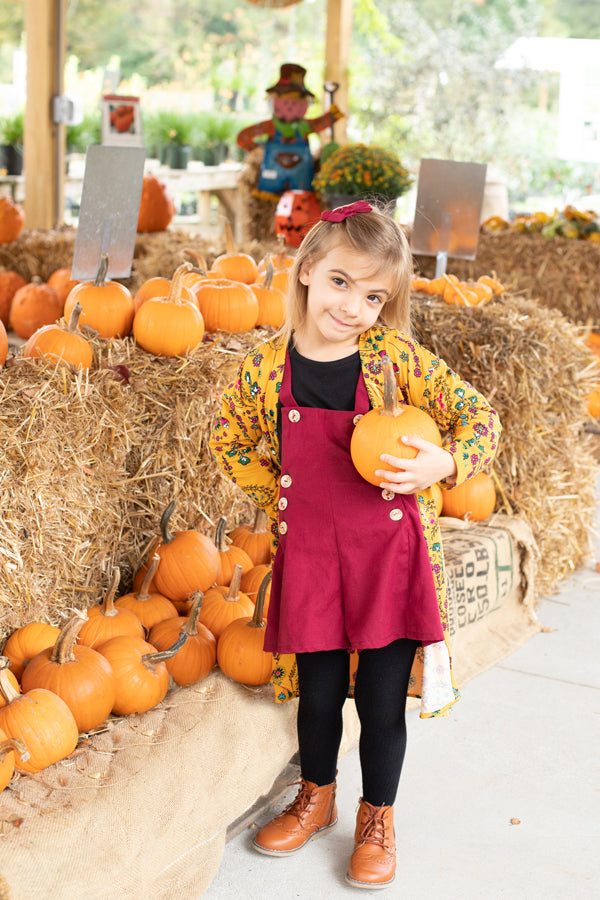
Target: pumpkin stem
[[281, 253], [167, 537], [198, 262], [150, 659], [191, 625], [391, 407], [73, 324], [221, 539], [7, 688], [229, 241], [102, 270], [144, 591], [269, 272], [177, 283], [108, 604], [234, 585], [62, 651], [9, 744], [261, 522], [257, 620]]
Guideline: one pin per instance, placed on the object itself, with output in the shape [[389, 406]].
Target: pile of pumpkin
[[195, 602], [460, 293], [167, 317], [571, 223]]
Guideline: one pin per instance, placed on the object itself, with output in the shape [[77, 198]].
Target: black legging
[[380, 696]]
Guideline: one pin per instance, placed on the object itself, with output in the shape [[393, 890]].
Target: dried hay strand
[[259, 214], [91, 462], [532, 366], [560, 273]]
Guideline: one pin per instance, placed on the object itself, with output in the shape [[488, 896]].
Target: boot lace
[[373, 829], [298, 806]]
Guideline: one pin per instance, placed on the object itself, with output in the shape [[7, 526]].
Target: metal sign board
[[110, 204], [448, 209]]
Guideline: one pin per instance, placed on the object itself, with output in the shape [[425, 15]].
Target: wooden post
[[44, 141], [338, 42]]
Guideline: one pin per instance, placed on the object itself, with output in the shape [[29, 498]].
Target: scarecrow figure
[[287, 163]]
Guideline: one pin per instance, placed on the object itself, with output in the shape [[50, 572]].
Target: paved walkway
[[522, 745]]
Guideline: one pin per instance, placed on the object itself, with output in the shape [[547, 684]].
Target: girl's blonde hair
[[374, 233]]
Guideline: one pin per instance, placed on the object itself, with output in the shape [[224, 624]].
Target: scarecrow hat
[[291, 81]]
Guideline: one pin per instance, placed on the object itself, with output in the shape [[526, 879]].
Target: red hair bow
[[342, 212]]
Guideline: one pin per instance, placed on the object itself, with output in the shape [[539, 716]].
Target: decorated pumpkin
[[157, 206], [296, 212]]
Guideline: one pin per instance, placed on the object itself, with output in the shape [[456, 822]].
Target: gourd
[[10, 282], [171, 325], [7, 757], [62, 282], [189, 560], [106, 621], [26, 642], [157, 206], [240, 652], [230, 555], [41, 720], [12, 219], [197, 657], [255, 539], [233, 265], [141, 676], [474, 498], [227, 305], [251, 582], [221, 604], [34, 305], [381, 430], [62, 343], [271, 301], [107, 306], [149, 607], [76, 673]]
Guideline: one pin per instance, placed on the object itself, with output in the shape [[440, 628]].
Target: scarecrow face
[[290, 107]]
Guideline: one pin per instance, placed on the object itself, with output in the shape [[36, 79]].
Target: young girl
[[357, 567]]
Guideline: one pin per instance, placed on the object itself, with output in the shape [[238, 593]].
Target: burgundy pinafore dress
[[352, 569]]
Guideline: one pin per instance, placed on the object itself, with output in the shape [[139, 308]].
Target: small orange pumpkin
[[62, 343], [221, 604], [12, 219], [10, 282], [107, 306], [157, 206], [473, 499], [230, 555], [106, 621], [26, 642], [233, 265], [252, 581], [7, 757], [170, 325], [34, 305], [62, 282], [189, 560], [150, 608], [254, 539], [227, 305], [197, 657], [158, 287], [271, 301], [240, 652], [381, 430]]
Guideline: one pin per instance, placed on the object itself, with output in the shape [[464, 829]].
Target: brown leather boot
[[311, 813], [373, 862]]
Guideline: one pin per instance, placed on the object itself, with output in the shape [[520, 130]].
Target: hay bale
[[560, 273], [533, 367], [90, 462]]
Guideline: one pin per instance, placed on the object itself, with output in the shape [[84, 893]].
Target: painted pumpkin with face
[[296, 212]]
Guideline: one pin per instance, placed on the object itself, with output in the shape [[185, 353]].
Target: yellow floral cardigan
[[248, 417]]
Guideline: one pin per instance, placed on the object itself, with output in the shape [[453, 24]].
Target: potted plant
[[361, 171], [170, 134], [11, 138]]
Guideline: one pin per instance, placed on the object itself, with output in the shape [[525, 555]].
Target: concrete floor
[[522, 744]]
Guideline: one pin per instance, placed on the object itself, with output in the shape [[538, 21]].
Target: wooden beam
[[338, 41], [44, 141]]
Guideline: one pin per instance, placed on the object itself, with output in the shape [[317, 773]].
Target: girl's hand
[[431, 464]]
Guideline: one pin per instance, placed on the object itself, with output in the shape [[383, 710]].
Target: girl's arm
[[235, 434]]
